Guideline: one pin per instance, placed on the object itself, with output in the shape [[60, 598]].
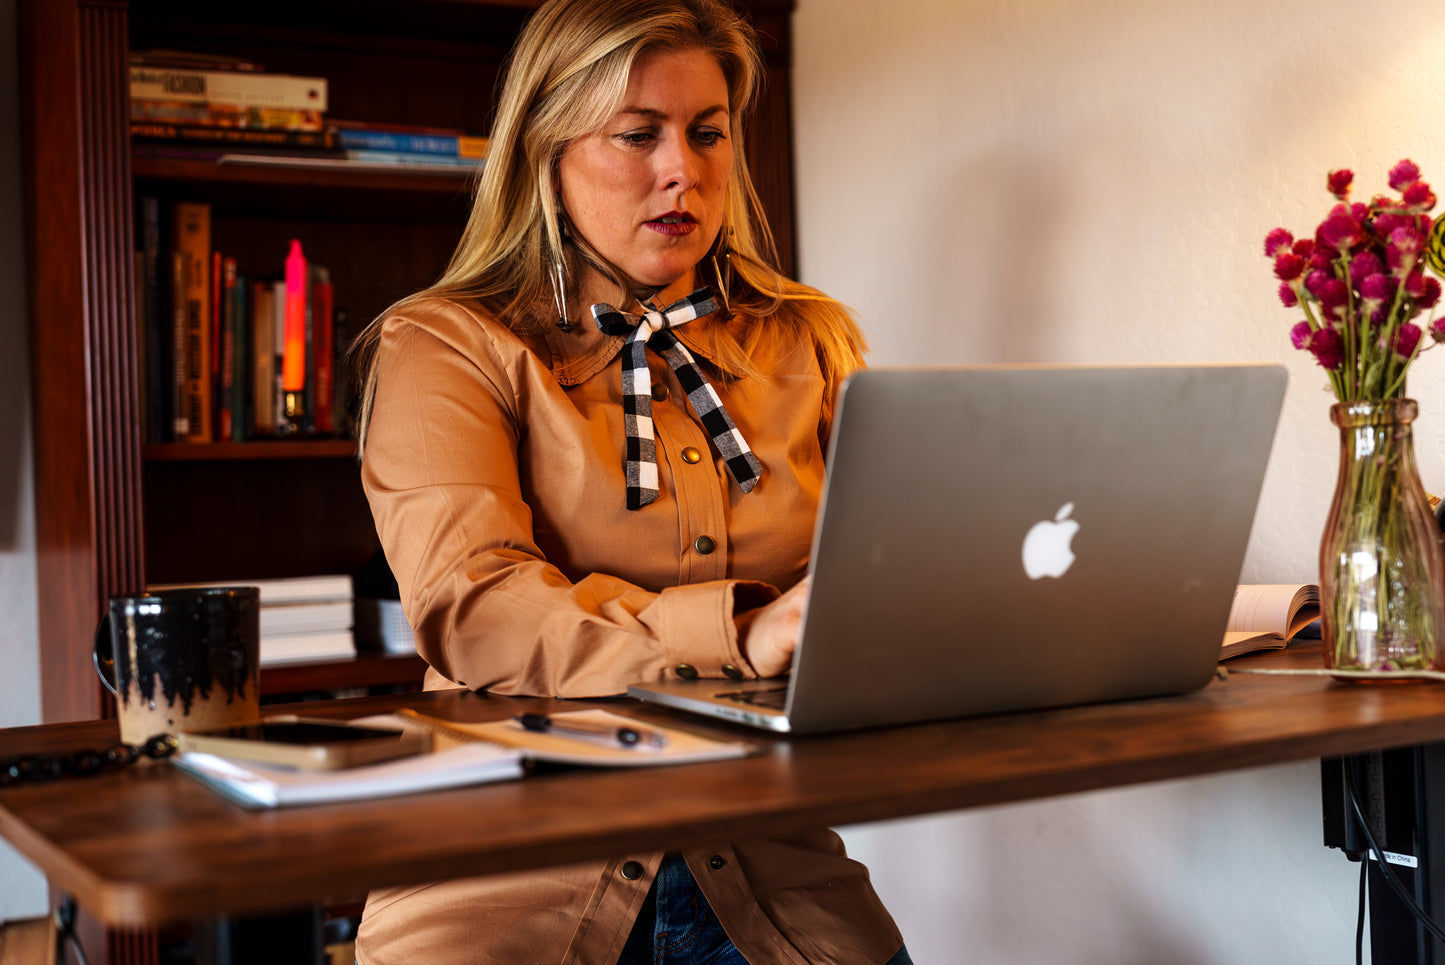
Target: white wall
[[22, 889], [1046, 180]]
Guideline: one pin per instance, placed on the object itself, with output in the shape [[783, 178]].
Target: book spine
[[293, 369], [241, 361], [226, 116], [192, 238], [179, 351], [324, 332], [157, 359], [218, 342], [443, 145], [228, 87], [278, 356], [263, 365], [226, 431], [245, 136]]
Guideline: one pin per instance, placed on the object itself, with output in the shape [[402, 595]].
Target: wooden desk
[[149, 845]]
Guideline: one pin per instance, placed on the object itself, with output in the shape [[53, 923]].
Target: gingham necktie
[[651, 328]]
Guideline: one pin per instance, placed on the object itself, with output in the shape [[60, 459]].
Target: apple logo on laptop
[[1046, 547]]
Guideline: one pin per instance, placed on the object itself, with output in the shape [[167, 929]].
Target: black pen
[[626, 736]]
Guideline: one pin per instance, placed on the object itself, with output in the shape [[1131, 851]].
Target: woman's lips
[[673, 224]]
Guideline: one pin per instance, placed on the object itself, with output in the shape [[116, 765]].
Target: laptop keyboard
[[774, 699]]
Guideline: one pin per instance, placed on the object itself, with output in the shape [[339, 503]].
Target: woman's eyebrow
[[657, 115]]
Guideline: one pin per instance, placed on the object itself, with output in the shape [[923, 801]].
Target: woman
[[594, 454]]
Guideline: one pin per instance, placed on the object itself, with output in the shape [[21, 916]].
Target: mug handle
[[103, 654]]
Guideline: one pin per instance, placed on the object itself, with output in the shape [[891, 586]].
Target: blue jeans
[[677, 927]]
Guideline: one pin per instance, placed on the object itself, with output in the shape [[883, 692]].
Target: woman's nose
[[677, 166]]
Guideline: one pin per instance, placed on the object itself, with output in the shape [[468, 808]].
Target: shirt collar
[[576, 356]]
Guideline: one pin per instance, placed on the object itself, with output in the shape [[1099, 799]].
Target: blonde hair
[[566, 75]]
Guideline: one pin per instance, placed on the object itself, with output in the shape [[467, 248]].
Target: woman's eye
[[635, 138], [709, 137]]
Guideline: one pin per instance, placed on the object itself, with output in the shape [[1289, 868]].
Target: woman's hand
[[772, 633]]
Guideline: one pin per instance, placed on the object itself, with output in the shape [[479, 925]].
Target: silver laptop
[[1009, 538]]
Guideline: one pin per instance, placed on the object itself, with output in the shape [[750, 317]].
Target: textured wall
[[1041, 180]]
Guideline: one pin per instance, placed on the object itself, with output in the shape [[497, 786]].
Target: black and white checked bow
[[651, 328]]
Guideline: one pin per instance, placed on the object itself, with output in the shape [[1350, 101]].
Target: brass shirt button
[[686, 671], [704, 545], [731, 672], [717, 861], [632, 870], [660, 392], [690, 455]]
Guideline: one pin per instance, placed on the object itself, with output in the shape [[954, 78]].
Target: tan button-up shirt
[[495, 471]]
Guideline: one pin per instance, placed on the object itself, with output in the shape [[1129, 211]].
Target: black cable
[[1385, 871], [1360, 918]]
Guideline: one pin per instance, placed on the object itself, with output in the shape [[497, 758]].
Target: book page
[[1272, 608]]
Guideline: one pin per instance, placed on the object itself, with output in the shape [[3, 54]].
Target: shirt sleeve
[[441, 473]]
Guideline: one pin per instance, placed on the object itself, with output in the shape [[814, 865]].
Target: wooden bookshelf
[[114, 512]]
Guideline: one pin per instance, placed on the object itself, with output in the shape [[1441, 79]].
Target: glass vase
[[1381, 564]]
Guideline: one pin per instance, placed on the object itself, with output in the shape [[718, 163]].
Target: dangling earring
[[556, 269], [724, 281]]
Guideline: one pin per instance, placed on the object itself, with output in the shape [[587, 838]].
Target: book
[[436, 144], [321, 353], [156, 130], [180, 426], [254, 785], [1268, 616], [155, 337], [191, 60], [680, 747], [294, 589], [290, 618], [223, 305], [227, 116], [191, 237], [305, 647], [244, 87], [263, 367]]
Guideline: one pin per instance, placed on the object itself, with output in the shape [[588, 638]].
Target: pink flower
[[1378, 287], [1339, 182], [1288, 298], [1404, 247], [1390, 220], [1288, 266], [1328, 348], [1275, 240], [1340, 230], [1437, 330], [1366, 263], [1419, 196], [1404, 174], [1304, 247], [1299, 336], [1406, 339], [1430, 295]]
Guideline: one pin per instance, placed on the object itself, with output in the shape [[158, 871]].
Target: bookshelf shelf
[[304, 173], [257, 449]]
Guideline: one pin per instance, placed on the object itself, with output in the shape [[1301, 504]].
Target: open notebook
[[1015, 537]]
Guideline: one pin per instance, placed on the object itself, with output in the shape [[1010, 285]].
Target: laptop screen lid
[[1000, 538]]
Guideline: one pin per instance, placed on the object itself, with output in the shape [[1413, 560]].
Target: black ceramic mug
[[185, 659]]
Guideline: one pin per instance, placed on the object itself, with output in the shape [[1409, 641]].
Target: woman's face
[[646, 191]]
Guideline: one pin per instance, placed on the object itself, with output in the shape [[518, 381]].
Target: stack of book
[[216, 352], [201, 106], [303, 618]]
